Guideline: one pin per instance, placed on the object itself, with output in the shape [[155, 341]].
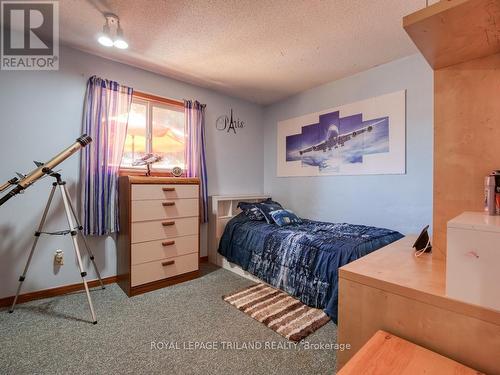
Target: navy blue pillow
[[267, 207], [251, 211], [285, 217]]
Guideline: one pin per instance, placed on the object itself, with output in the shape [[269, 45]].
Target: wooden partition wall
[[389, 289], [466, 139], [461, 41]]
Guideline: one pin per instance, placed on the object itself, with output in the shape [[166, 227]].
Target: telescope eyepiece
[[84, 140], [18, 189]]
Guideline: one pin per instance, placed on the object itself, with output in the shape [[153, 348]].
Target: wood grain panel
[[395, 269], [454, 31], [386, 354], [392, 290], [365, 310], [466, 139]]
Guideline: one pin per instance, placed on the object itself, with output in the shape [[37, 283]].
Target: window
[[156, 126]]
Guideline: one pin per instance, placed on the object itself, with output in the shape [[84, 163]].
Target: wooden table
[[392, 290], [386, 354]]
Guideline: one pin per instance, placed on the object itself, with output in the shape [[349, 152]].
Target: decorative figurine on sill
[[177, 171], [147, 160]]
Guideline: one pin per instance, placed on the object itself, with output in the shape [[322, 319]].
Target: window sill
[[135, 172]]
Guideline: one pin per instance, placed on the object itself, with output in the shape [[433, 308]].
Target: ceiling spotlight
[[119, 41], [105, 37], [112, 33], [105, 41]]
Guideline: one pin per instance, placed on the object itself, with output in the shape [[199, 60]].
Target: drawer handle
[[168, 189], [168, 263], [168, 243], [165, 204], [168, 223]]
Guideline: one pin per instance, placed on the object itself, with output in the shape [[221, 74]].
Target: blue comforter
[[301, 259]]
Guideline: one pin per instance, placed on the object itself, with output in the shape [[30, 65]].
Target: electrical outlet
[[59, 258]]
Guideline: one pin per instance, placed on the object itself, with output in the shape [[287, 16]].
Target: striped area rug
[[278, 311]]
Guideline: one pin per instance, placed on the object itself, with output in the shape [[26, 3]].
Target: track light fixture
[[105, 37], [120, 42], [112, 33]]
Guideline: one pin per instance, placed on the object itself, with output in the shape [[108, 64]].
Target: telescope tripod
[[73, 230]]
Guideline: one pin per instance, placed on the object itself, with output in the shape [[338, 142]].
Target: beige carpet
[[279, 311]]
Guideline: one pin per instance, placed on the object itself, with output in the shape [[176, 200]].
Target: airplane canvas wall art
[[366, 137]]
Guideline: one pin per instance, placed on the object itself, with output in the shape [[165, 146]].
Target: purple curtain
[[196, 165], [107, 107]]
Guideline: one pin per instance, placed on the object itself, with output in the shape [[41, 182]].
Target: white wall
[[41, 113], [401, 202]]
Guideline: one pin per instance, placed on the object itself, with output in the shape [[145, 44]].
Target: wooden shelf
[[394, 269], [388, 354], [454, 31], [390, 289]]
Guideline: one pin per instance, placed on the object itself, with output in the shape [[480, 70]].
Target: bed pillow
[[268, 206], [251, 211], [285, 217]]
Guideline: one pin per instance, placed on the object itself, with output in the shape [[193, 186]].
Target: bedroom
[[383, 118]]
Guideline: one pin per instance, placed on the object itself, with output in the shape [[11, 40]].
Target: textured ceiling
[[259, 50]]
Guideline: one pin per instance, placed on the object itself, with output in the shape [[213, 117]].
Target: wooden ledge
[[451, 32], [395, 269], [389, 354]]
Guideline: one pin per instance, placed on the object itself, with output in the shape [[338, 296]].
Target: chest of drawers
[[158, 243]]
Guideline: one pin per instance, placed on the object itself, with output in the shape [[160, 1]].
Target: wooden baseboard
[[60, 290], [144, 288], [53, 292]]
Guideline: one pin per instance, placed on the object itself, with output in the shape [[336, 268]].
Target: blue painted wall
[[41, 114], [401, 202]]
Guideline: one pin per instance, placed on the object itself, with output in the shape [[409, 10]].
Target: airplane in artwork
[[336, 140]]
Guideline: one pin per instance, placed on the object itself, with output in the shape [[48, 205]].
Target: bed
[[301, 259]]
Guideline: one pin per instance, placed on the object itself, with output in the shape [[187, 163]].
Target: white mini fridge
[[473, 259]]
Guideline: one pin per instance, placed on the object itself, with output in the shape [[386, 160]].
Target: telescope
[[22, 182]]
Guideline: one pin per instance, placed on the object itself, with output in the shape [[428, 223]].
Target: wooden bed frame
[[223, 208]]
